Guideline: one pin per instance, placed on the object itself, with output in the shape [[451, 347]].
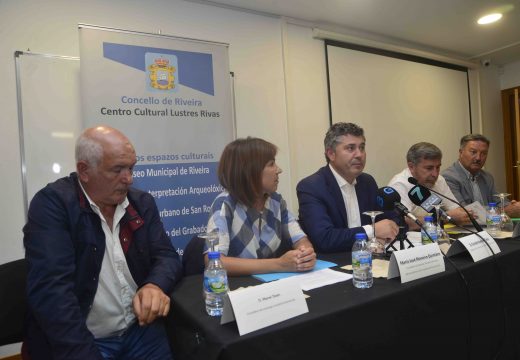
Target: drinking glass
[[506, 224], [376, 248], [211, 239]]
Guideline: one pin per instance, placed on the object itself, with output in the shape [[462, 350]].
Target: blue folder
[[320, 265]]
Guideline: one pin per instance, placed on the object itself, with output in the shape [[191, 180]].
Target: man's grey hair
[[423, 151], [473, 137], [332, 137], [88, 150]]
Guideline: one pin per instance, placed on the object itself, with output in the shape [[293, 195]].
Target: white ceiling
[[447, 27]]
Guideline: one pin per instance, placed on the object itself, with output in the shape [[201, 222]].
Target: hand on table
[[300, 259]]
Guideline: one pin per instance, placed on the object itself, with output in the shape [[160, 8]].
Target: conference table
[[472, 313]]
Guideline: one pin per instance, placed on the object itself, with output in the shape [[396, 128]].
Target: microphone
[[414, 181], [388, 199], [424, 198]]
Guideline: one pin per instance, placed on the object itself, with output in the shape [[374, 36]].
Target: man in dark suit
[[468, 181], [332, 200]]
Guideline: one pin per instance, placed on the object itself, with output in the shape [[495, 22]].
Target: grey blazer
[[461, 187]]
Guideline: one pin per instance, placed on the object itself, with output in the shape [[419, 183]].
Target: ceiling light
[[490, 18]]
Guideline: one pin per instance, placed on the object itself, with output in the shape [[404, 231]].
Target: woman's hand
[[300, 259]]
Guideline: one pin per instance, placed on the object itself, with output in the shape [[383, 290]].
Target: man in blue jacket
[[100, 263], [332, 200]]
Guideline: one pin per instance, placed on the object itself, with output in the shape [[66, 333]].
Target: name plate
[[476, 247], [415, 263], [259, 306]]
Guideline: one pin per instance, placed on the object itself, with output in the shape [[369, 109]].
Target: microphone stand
[[401, 237]]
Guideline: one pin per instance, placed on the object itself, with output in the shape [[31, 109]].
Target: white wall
[[308, 109], [510, 75]]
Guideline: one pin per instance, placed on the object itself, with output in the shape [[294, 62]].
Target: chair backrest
[[193, 256], [13, 278], [516, 230]]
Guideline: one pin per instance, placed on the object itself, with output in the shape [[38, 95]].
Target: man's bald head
[[94, 141]]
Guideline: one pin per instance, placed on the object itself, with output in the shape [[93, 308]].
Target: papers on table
[[320, 276], [256, 307], [453, 229], [503, 235], [316, 279]]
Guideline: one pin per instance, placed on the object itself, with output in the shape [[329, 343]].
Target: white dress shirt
[[400, 183], [112, 310], [350, 200]]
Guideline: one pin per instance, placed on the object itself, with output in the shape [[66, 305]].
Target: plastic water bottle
[[492, 220], [215, 284], [362, 263], [430, 228]]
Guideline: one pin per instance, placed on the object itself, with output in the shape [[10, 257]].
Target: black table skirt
[[438, 317]]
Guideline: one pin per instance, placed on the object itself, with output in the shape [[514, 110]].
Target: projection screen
[[399, 100]]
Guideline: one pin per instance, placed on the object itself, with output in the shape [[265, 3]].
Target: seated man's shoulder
[[64, 188], [400, 176], [317, 178], [400, 182], [365, 177], [56, 199], [449, 172], [441, 180], [452, 167], [139, 195]]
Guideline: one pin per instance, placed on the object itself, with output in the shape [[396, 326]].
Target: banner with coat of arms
[[172, 98]]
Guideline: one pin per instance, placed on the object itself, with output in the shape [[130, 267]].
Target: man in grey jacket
[[468, 181]]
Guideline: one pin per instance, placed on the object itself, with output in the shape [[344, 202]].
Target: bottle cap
[[492, 204], [213, 255], [428, 218], [360, 236]]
